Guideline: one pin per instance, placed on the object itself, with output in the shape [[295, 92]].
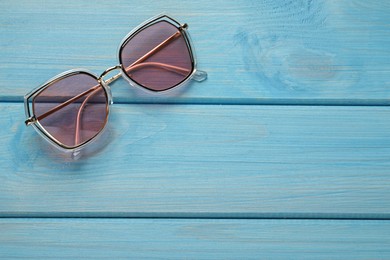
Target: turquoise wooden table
[[283, 153]]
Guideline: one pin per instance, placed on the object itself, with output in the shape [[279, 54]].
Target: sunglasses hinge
[[30, 120], [183, 27]]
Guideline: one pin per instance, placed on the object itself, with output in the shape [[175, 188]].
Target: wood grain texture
[[193, 239], [256, 52], [207, 161]]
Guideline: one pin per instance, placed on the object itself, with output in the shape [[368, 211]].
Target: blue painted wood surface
[[257, 52], [193, 239], [292, 123], [214, 160]]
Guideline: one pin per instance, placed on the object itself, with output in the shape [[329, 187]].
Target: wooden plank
[[206, 161], [193, 239], [256, 52]]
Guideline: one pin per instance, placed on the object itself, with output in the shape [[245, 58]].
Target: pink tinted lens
[[73, 109], [157, 57]]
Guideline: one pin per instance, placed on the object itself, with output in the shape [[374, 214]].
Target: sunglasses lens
[[72, 110], [157, 57]]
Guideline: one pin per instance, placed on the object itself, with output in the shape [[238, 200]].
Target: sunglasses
[[71, 109]]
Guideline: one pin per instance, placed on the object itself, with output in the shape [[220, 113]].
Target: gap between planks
[[241, 102], [183, 215]]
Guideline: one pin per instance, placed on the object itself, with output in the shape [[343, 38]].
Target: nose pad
[[109, 95], [108, 91]]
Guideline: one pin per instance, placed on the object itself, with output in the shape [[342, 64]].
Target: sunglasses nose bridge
[[113, 78], [105, 82]]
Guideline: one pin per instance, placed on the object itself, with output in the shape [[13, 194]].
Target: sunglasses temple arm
[[199, 75], [156, 49], [62, 105]]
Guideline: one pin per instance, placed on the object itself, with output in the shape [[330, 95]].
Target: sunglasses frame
[[29, 98]]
